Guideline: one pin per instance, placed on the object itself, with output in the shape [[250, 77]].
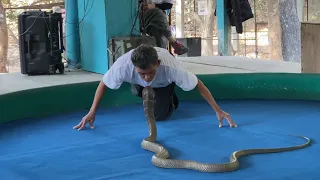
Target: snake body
[[160, 158]]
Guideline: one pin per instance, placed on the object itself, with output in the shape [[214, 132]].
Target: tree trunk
[[3, 40], [207, 31], [274, 29], [290, 25]]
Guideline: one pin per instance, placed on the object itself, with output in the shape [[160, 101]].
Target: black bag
[[40, 42]]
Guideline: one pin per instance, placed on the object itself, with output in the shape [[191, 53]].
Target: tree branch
[[13, 36], [42, 6], [198, 18], [37, 2]]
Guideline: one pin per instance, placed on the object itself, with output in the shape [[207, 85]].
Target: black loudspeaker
[[40, 42]]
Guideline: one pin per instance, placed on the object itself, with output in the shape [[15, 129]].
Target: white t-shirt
[[170, 71]]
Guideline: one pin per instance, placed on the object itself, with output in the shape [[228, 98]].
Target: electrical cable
[[136, 18], [31, 24]]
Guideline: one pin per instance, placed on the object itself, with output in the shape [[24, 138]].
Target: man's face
[[149, 73]]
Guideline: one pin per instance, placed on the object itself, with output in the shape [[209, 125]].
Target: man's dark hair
[[144, 56]]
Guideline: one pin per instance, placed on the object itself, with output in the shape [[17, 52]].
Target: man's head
[[146, 61]]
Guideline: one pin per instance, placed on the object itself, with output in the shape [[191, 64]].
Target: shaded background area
[[273, 20]]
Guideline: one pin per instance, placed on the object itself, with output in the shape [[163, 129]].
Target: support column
[[300, 10], [223, 29], [72, 34], [235, 42], [179, 4]]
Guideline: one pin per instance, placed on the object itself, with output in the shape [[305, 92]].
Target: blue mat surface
[[49, 148]]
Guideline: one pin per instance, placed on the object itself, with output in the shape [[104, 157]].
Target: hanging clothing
[[238, 12]]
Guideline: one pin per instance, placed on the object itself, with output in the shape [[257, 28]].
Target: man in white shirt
[[154, 67]]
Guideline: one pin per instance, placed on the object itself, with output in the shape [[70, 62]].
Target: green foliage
[[5, 2], [261, 10]]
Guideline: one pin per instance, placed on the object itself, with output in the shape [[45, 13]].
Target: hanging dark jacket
[[238, 12]]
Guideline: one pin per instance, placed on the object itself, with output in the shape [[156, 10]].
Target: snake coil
[[160, 158]]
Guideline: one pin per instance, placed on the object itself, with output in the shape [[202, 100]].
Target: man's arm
[[106, 83], [206, 94], [90, 117], [98, 96], [188, 81]]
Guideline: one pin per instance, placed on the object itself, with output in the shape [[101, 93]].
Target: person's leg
[[157, 25], [165, 100], [177, 46], [160, 39], [155, 28]]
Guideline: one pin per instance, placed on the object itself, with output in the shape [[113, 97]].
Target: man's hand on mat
[[89, 118], [221, 115]]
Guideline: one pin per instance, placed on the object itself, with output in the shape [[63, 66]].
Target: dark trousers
[[157, 25], [165, 100]]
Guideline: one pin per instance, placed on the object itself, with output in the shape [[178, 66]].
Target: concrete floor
[[12, 82], [232, 64]]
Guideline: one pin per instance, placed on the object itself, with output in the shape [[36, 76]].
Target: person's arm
[[189, 81], [206, 94], [90, 117], [98, 96], [112, 79]]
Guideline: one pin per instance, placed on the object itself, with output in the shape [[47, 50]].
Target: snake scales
[[160, 158]]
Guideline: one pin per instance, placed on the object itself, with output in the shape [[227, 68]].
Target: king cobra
[[160, 158]]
